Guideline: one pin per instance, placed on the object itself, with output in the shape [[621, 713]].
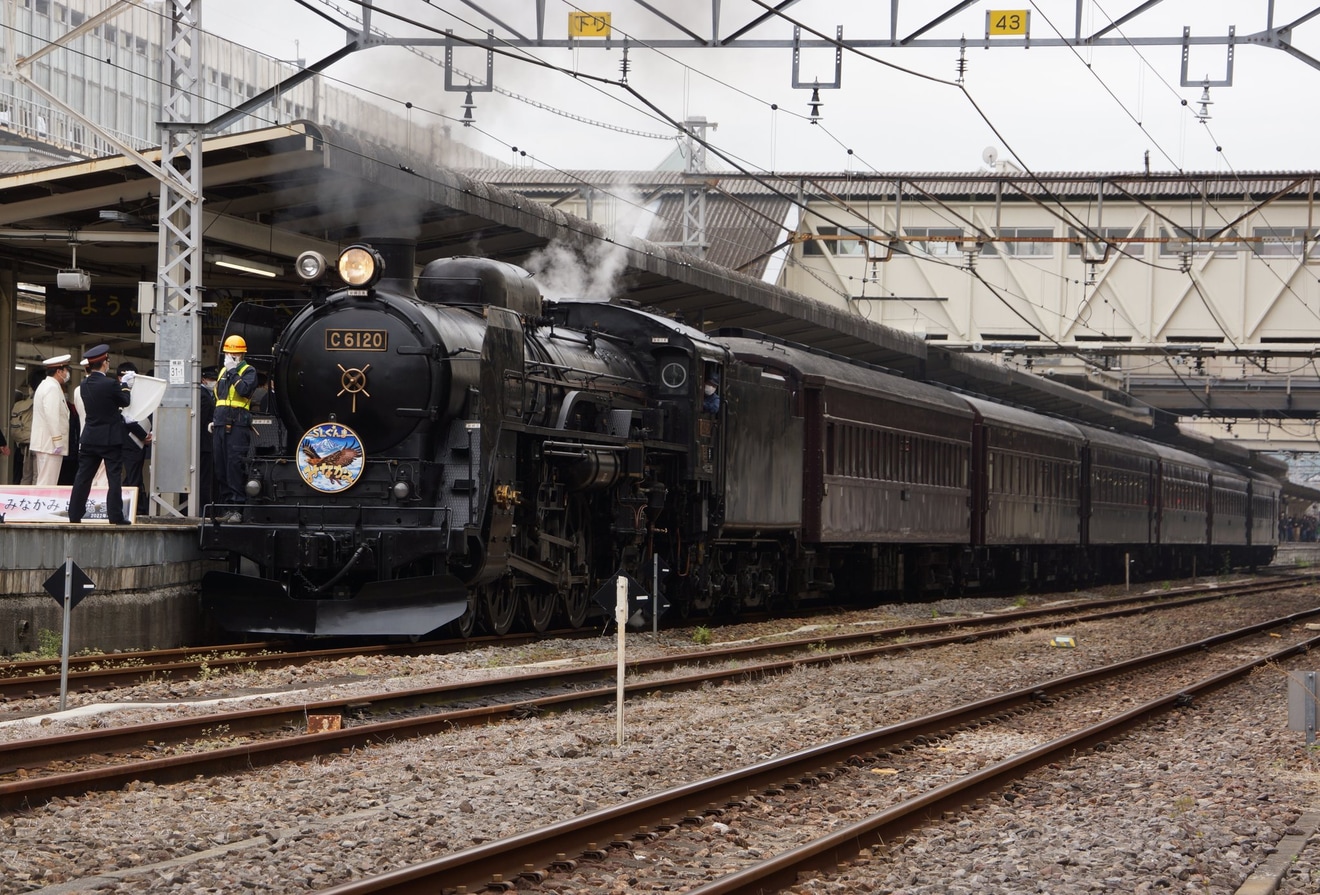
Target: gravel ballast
[[1193, 802]]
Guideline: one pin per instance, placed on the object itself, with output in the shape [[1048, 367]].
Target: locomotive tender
[[463, 451]]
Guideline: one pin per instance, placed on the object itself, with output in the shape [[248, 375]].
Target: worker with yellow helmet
[[231, 428]]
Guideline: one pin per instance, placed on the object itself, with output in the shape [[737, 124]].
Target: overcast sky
[[1054, 109]]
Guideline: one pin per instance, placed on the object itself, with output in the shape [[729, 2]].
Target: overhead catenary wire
[[978, 277]]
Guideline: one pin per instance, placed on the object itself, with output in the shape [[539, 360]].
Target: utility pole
[[175, 451]]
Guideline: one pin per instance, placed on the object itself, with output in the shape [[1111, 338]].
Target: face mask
[[710, 389]]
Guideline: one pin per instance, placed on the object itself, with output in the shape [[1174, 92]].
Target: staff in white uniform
[[50, 422]]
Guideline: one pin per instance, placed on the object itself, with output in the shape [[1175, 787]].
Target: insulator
[[624, 66], [468, 107], [1206, 102], [815, 105]]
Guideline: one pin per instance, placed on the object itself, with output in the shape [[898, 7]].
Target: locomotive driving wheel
[[466, 624], [539, 604], [499, 605], [576, 591]]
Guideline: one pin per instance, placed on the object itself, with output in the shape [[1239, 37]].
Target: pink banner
[[33, 503]]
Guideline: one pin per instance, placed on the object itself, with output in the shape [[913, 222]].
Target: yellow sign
[[1007, 21], [588, 24]]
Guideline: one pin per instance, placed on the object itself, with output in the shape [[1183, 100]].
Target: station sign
[[112, 310], [589, 24], [1007, 22]]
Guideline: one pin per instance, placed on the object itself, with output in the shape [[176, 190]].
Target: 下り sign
[[588, 24]]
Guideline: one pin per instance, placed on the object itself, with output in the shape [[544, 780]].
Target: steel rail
[[40, 677], [29, 755], [844, 844], [478, 866]]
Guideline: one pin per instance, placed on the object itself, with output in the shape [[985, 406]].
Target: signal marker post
[[68, 586], [631, 605]]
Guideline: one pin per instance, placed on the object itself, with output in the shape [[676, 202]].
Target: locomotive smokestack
[[400, 261]]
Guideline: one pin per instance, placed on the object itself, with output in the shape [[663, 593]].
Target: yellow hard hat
[[235, 345]]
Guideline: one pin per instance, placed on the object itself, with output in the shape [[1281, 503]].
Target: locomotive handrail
[[582, 448], [306, 509], [588, 375]]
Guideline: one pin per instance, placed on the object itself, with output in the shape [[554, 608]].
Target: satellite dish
[[990, 155]]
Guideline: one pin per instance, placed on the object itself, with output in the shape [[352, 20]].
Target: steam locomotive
[[460, 451]]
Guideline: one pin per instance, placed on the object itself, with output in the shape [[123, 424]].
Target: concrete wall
[[146, 594]]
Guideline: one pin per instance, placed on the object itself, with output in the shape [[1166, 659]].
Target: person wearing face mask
[[50, 422], [206, 450], [710, 401], [231, 429]]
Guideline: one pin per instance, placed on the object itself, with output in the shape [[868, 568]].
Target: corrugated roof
[[985, 185], [740, 233]]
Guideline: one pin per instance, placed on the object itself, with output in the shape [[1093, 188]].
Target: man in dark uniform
[[102, 436], [232, 428]]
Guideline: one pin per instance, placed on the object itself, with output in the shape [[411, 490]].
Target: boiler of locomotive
[[375, 358]]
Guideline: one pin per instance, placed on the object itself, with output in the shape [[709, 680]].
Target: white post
[[620, 620], [655, 595]]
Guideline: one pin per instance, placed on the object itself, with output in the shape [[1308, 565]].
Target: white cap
[[59, 360]]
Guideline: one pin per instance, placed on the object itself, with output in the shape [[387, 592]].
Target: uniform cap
[[97, 354], [59, 360], [209, 372]]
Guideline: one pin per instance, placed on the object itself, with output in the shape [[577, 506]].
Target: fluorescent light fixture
[[257, 268]]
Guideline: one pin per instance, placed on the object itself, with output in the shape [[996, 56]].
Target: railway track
[[33, 771], [648, 840], [35, 678]]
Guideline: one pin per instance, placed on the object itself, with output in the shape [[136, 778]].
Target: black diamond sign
[[82, 585], [640, 605]]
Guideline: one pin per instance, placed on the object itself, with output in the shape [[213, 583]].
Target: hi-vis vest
[[234, 399]]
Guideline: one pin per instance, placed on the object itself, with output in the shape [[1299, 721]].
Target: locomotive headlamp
[[311, 265], [402, 489], [253, 487], [360, 266]]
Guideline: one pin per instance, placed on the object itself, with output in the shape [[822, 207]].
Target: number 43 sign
[[999, 22]]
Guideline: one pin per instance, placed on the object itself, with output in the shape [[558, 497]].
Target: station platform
[[1297, 555], [146, 578]]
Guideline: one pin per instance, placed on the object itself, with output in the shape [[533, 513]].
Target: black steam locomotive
[[463, 451]]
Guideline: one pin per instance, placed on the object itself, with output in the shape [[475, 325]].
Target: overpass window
[[845, 241], [1023, 242], [1199, 241], [1096, 248], [943, 241], [1284, 242]]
